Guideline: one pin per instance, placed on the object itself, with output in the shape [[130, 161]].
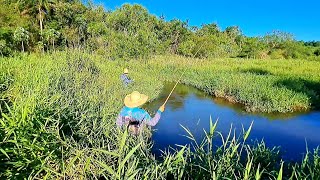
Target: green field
[[58, 116]]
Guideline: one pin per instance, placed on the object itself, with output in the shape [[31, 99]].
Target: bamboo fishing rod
[[173, 89], [179, 79]]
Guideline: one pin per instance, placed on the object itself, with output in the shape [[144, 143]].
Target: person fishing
[[125, 78], [134, 117]]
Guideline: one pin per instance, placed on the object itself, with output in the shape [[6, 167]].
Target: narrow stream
[[192, 108]]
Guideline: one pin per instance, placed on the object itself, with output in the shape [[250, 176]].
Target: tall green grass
[[261, 85], [58, 118]]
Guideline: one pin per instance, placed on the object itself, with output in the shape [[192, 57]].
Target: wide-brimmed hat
[[125, 71], [135, 99]]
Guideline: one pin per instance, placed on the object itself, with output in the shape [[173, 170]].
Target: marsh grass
[[58, 113]]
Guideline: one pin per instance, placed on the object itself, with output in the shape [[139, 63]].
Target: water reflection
[[192, 108]]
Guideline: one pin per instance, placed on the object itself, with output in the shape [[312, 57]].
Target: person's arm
[[153, 121]]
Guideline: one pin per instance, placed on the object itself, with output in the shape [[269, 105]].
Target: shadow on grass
[[5, 102], [308, 87], [256, 71]]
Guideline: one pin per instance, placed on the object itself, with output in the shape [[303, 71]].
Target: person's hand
[[162, 108]]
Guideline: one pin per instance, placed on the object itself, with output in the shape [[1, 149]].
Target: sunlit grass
[[58, 117]]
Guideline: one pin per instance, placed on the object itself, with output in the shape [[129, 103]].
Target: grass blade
[[247, 133], [280, 172], [4, 152], [127, 157]]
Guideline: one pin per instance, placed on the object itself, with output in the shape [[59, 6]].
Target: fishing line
[[180, 77]]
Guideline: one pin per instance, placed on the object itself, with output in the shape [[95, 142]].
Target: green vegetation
[[60, 92], [260, 85], [132, 32], [58, 117]]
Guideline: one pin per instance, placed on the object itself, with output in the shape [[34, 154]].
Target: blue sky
[[255, 18]]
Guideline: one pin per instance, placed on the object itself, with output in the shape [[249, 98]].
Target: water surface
[[192, 108]]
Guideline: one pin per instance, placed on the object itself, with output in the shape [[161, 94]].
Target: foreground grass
[[58, 114]]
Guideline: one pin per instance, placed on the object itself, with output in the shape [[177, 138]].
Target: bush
[[317, 52], [277, 54]]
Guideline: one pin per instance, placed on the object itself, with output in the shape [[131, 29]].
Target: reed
[[58, 118]]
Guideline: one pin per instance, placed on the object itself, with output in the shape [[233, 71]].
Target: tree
[[51, 35], [295, 49], [131, 31], [317, 52], [10, 17], [312, 43], [211, 29], [177, 31], [21, 35], [42, 7], [253, 47], [81, 25], [233, 32], [277, 38], [69, 19]]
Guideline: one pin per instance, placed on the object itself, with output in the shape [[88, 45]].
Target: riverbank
[[260, 85], [59, 110], [191, 108]]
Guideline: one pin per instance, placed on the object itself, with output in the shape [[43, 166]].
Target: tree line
[[131, 32]]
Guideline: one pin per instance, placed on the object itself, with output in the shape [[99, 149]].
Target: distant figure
[[125, 78], [134, 117]]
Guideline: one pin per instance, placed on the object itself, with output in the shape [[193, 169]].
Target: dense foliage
[[58, 117], [57, 109], [131, 32]]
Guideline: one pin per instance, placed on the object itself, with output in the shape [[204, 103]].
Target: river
[[192, 108]]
